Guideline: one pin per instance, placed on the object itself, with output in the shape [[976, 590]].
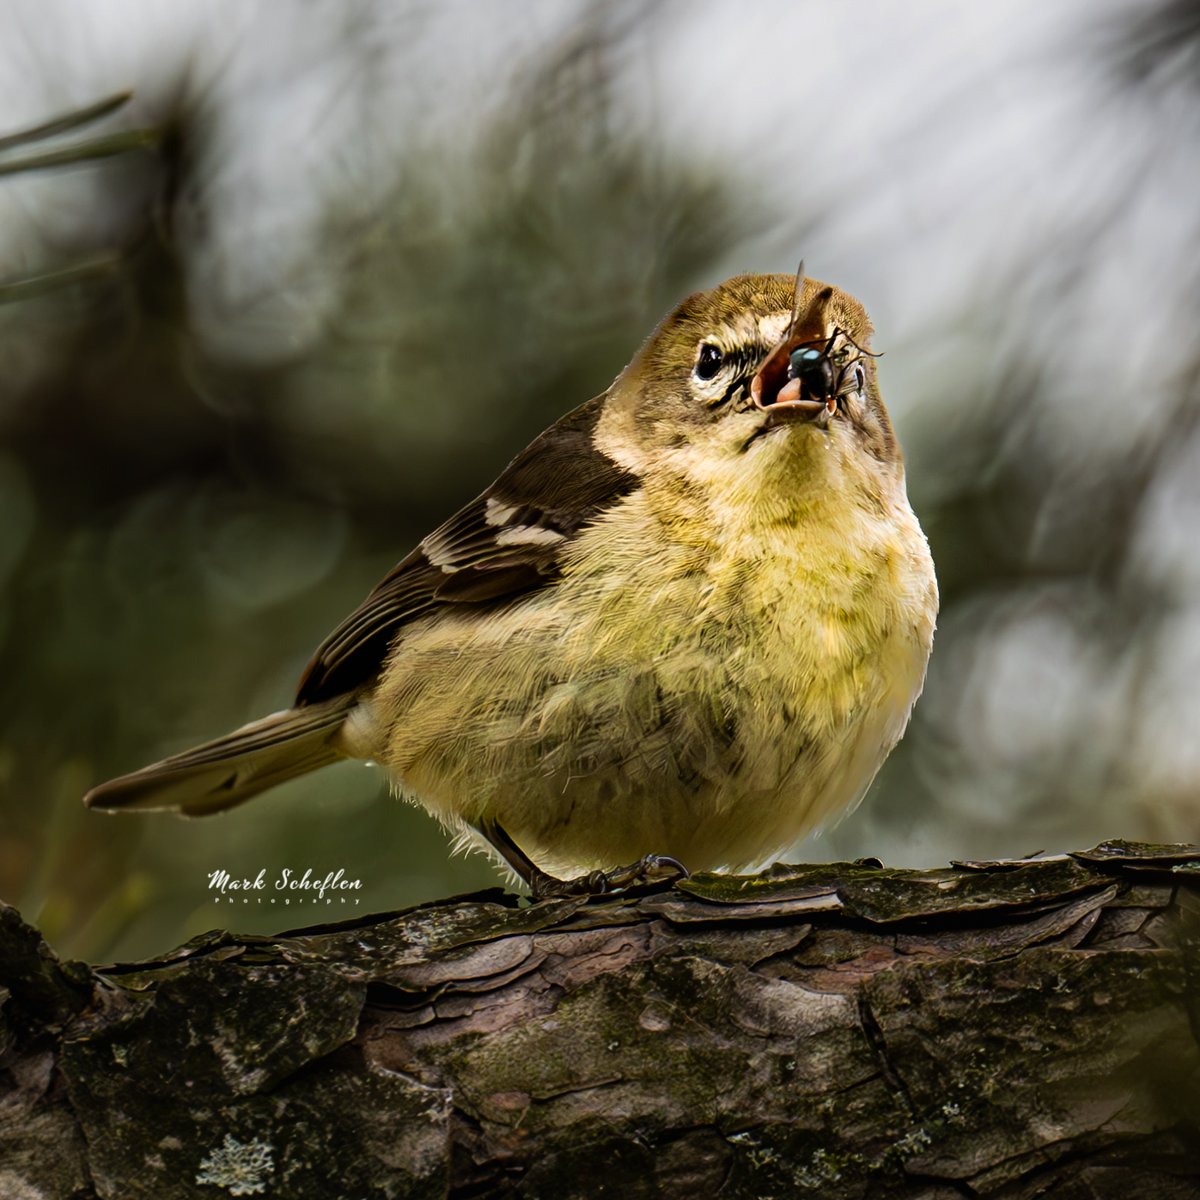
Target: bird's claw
[[652, 872]]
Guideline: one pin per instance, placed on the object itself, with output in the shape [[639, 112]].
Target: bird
[[681, 630]]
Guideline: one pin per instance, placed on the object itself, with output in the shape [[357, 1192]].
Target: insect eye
[[709, 362], [802, 361]]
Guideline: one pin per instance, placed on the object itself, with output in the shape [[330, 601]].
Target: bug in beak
[[797, 379]]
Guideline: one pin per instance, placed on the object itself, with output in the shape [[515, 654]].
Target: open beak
[[783, 394], [783, 398]]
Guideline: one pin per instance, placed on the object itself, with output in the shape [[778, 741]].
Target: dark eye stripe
[[729, 391], [742, 360]]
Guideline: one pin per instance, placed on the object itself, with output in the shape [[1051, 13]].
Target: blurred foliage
[[219, 430], [187, 528]]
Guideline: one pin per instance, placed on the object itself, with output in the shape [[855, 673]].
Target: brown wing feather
[[558, 483]]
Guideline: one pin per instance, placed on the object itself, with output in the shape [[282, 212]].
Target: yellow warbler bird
[[686, 625]]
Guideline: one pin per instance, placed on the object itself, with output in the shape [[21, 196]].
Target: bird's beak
[[773, 390]]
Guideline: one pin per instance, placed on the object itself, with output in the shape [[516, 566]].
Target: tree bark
[[1012, 1029]]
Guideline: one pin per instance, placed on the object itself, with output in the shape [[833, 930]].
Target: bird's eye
[[709, 362]]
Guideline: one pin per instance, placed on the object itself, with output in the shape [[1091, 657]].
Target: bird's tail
[[233, 768]]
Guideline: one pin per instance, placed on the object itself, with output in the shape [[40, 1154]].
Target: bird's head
[[766, 381]]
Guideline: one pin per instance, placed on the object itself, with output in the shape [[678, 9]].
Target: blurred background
[[333, 264]]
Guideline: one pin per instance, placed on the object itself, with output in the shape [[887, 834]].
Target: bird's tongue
[[789, 392]]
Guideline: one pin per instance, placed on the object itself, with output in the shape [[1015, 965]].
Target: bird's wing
[[502, 545]]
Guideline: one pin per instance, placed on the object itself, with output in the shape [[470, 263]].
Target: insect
[[830, 370]]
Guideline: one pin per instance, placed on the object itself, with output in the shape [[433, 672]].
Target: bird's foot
[[647, 874]]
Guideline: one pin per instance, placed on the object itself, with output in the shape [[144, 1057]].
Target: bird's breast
[[708, 699]]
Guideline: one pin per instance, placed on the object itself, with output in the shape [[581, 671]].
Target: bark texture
[[1012, 1029]]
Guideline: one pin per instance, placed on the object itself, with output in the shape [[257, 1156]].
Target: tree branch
[[1010, 1029]]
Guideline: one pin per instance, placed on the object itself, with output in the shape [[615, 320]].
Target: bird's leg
[[655, 870], [534, 878]]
